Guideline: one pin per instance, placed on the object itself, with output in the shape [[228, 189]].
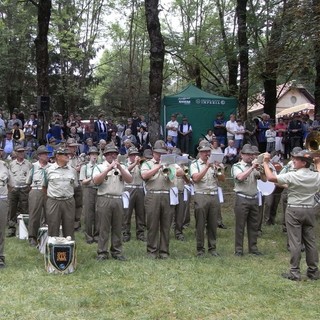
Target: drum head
[[266, 188]]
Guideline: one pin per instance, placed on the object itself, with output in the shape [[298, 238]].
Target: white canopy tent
[[306, 108]]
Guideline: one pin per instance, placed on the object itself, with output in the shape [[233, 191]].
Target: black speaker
[[43, 103]]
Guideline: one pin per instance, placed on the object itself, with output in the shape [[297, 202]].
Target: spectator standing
[[173, 127], [281, 129], [219, 129], [271, 138], [263, 126], [239, 134], [231, 127], [101, 127], [250, 127], [185, 135], [295, 131]]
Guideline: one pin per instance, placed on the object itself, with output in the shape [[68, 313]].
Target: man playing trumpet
[[158, 207], [136, 202], [300, 214], [246, 174], [205, 176]]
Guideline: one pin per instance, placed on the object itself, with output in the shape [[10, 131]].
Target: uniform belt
[[159, 192], [111, 196], [211, 193], [134, 187], [61, 198], [299, 206], [246, 197], [3, 197], [36, 188], [20, 187]]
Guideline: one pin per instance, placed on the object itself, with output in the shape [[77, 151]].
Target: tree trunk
[[316, 44], [157, 52], [243, 57], [42, 61], [274, 51]]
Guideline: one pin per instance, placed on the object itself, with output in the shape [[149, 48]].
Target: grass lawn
[[183, 287]]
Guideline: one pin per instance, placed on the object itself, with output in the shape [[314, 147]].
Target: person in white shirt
[[172, 127], [271, 138], [239, 134], [231, 127], [230, 153]]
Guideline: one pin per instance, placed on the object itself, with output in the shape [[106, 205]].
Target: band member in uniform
[[4, 179], [207, 206], [136, 201], [76, 163], [246, 208], [89, 190], [18, 196], [60, 183], [182, 207], [157, 203], [37, 200], [110, 177], [301, 213]]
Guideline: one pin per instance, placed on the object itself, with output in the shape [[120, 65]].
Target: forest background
[[122, 55]]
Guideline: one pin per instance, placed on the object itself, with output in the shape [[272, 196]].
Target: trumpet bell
[[313, 141]]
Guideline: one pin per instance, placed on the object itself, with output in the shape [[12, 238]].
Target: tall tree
[[316, 44], [157, 52], [243, 56], [42, 63]]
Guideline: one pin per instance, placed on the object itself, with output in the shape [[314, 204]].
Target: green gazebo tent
[[199, 107]]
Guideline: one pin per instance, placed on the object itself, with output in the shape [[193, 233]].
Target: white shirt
[[231, 126], [175, 124]]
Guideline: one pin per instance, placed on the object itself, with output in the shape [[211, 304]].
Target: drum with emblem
[[60, 256]]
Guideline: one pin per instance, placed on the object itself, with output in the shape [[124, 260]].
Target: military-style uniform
[[91, 218], [136, 202], [60, 207], [37, 199], [110, 210], [74, 163], [206, 206], [246, 207], [4, 179], [19, 192], [158, 210], [301, 219]]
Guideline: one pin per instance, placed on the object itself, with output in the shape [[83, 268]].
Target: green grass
[[182, 287]]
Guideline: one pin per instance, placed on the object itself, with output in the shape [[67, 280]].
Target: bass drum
[[266, 188]]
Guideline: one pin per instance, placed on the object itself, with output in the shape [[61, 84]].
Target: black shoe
[[222, 226], [163, 256], [2, 264], [214, 253], [89, 241], [102, 257], [33, 242], [200, 254], [284, 229], [126, 238], [256, 253], [314, 276], [238, 253], [11, 233], [120, 258], [290, 276]]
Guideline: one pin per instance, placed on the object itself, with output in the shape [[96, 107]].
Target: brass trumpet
[[313, 142]]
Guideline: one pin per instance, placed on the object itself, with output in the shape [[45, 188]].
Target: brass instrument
[[313, 142], [142, 160], [169, 172]]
